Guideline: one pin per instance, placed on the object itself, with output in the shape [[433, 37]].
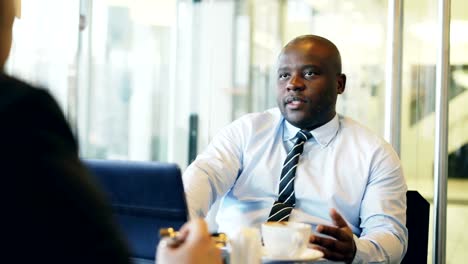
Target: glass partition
[[457, 209], [358, 28], [44, 51], [156, 79], [418, 98], [126, 57]]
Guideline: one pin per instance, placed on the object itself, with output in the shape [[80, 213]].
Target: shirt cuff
[[358, 257]]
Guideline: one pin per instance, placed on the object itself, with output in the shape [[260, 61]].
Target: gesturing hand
[[342, 248], [197, 246]]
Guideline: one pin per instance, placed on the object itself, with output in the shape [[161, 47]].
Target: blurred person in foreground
[[52, 211], [303, 162]]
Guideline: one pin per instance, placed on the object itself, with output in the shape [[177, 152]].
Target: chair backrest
[[145, 197], [417, 222]]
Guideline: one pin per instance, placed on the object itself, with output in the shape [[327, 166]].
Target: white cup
[[246, 246], [285, 239]]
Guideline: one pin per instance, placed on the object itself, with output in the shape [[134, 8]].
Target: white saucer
[[308, 255]]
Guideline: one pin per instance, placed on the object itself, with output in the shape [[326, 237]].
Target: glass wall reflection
[[156, 79], [44, 51], [457, 210], [126, 52], [418, 117], [418, 99]]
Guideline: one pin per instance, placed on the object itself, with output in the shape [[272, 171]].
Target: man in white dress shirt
[[348, 183]]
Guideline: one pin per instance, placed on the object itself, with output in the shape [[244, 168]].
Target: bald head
[[6, 23], [327, 48]]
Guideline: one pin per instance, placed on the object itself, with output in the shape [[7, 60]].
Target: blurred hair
[[17, 7], [6, 22]]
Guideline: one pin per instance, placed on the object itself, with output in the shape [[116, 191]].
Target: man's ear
[[341, 83], [17, 6]]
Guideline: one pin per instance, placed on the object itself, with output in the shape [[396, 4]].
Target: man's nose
[[295, 84]]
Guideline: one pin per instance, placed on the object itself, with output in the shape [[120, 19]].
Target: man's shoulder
[[272, 114], [260, 120], [257, 122], [360, 132]]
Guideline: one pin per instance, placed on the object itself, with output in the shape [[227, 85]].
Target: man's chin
[[296, 118], [296, 121]]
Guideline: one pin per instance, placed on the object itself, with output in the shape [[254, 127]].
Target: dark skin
[[343, 247], [309, 80]]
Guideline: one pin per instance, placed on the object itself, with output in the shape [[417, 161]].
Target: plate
[[308, 255]]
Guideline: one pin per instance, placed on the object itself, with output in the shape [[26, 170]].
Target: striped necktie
[[287, 200]]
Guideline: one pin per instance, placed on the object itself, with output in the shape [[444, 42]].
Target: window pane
[[125, 85], [44, 51], [457, 211], [358, 28]]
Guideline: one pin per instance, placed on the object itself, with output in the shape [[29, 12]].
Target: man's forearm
[[379, 247]]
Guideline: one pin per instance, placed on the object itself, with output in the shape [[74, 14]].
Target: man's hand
[[197, 246], [342, 248]]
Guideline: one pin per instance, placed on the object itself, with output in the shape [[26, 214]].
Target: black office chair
[[145, 196], [417, 222]]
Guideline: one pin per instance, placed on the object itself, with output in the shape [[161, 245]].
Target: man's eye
[[309, 74], [283, 76]]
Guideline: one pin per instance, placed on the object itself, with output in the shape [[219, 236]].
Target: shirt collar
[[323, 134]]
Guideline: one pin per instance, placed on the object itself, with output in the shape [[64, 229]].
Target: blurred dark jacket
[[51, 209]]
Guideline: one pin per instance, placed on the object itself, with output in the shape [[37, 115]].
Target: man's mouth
[[294, 102], [294, 99]]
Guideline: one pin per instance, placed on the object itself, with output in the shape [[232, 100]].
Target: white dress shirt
[[344, 166]]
